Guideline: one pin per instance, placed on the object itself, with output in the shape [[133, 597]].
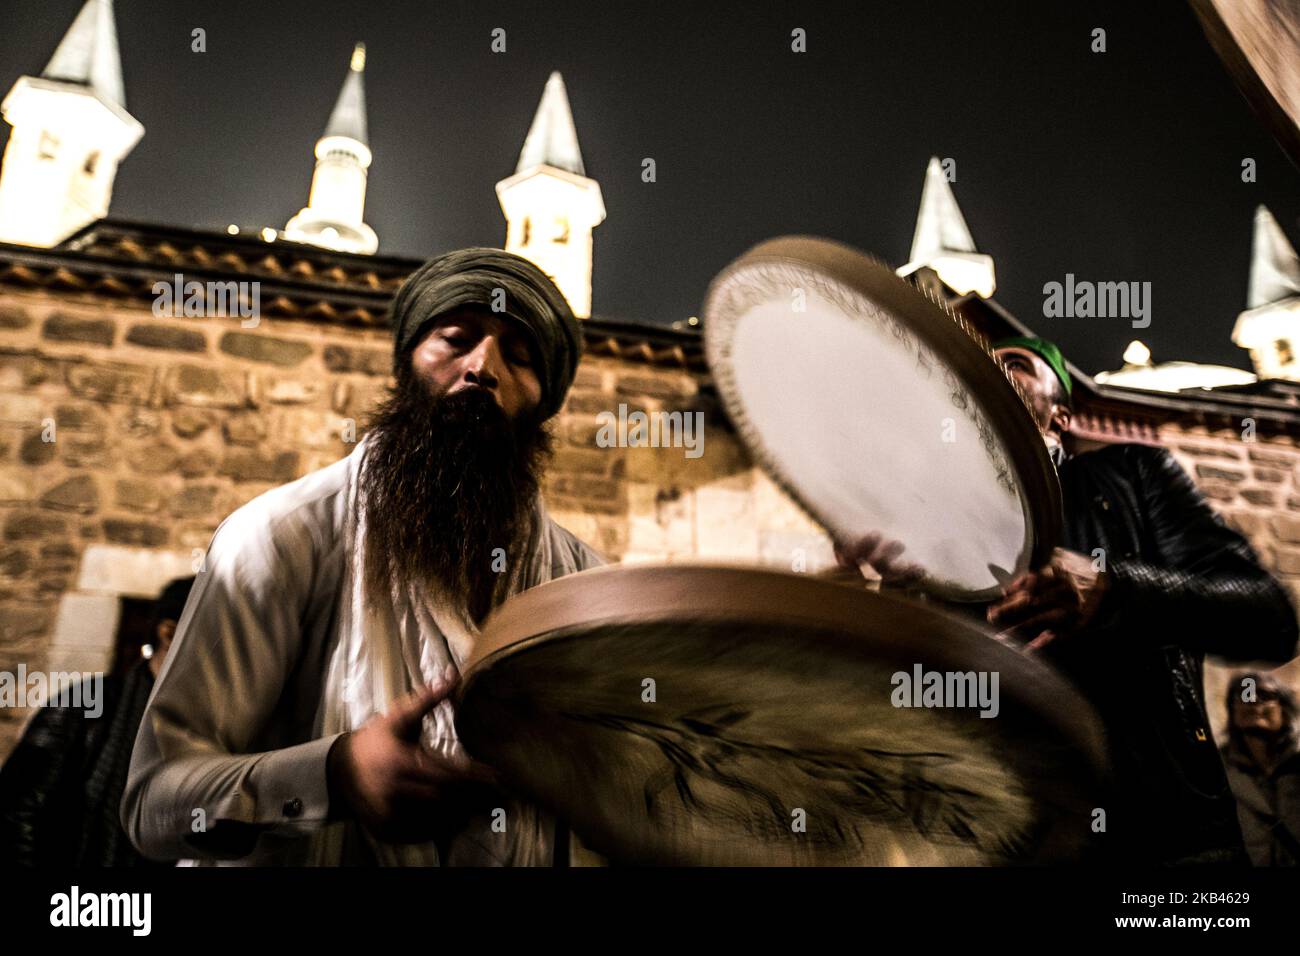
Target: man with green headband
[[1149, 580], [304, 715], [1047, 389]]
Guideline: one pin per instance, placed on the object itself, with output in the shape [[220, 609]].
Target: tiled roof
[[299, 281], [1141, 411], [123, 260]]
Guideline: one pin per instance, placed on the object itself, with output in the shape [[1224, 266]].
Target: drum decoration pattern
[[774, 734], [879, 412]]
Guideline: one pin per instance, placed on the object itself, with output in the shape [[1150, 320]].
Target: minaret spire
[[1270, 326], [942, 240], [1274, 265], [550, 204], [88, 53], [70, 131], [552, 140], [349, 116], [335, 210]]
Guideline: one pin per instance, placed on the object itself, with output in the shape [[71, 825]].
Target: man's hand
[[882, 556], [397, 789], [1059, 599]]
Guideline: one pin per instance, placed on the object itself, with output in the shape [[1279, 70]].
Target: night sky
[[1116, 166]]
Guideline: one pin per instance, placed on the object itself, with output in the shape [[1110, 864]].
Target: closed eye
[[518, 352]]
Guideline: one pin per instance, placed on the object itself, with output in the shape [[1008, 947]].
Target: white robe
[[276, 655]]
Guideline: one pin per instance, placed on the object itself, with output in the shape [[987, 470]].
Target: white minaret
[[70, 131], [334, 216], [943, 242], [550, 205], [1270, 326]]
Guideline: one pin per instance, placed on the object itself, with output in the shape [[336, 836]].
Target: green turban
[[1045, 350], [473, 277]]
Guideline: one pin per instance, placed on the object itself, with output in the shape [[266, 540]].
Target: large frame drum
[[712, 715]]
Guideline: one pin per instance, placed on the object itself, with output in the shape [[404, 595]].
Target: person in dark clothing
[[1149, 580], [1262, 758], [61, 787]]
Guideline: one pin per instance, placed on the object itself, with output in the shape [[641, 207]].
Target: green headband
[[1045, 350]]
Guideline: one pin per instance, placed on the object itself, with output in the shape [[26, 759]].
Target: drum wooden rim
[[655, 593], [962, 350]]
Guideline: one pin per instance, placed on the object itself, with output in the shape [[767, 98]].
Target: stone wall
[[662, 504], [125, 439], [1254, 482]]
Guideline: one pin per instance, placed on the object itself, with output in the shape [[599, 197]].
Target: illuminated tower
[[1270, 326], [550, 205], [70, 131], [334, 216], [942, 241]]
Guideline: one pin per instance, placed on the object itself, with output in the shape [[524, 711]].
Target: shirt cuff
[[285, 792], [291, 788]]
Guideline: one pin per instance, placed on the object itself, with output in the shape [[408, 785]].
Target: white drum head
[[880, 414]]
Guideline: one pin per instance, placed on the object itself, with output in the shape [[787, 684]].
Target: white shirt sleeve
[[194, 789]]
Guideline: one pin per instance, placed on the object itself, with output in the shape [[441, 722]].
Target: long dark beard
[[447, 482]]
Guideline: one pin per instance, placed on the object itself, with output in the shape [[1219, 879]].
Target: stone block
[[135, 533], [114, 569], [155, 458], [86, 451], [1286, 529], [191, 422], [22, 409], [195, 500], [65, 328], [35, 450], [78, 494], [17, 485], [196, 463], [267, 349], [136, 495], [13, 317], [172, 338], [1214, 473], [1260, 497], [205, 387], [368, 361], [254, 465], [291, 391], [244, 428], [127, 384], [27, 526]]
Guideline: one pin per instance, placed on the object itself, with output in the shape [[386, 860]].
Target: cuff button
[[293, 808]]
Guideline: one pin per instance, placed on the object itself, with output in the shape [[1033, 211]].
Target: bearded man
[[303, 714]]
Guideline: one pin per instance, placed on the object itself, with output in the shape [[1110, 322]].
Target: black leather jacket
[[61, 787], [1182, 584]]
